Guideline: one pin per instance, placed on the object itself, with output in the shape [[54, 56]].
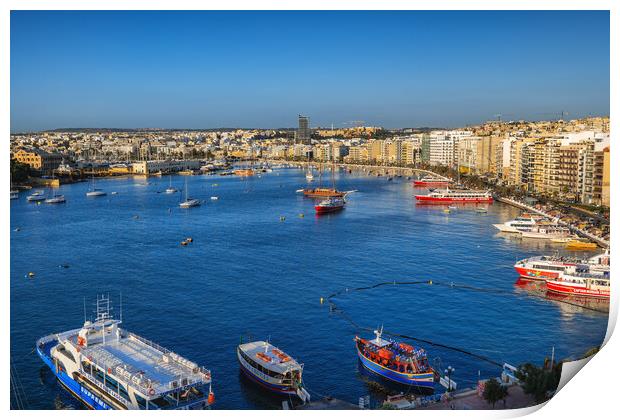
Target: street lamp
[[449, 373]]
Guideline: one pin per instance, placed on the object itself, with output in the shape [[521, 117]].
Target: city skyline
[[209, 70]]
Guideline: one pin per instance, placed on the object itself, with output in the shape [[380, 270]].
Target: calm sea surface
[[248, 273]]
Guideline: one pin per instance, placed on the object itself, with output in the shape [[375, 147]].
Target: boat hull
[[82, 394], [275, 388], [327, 209], [536, 274], [323, 193], [568, 289], [422, 380], [446, 200], [431, 184]]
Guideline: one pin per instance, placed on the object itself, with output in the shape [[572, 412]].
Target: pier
[[600, 241]]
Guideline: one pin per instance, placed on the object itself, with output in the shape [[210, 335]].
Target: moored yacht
[[432, 181], [272, 369], [521, 223], [550, 267], [36, 196], [107, 367], [546, 231], [56, 199]]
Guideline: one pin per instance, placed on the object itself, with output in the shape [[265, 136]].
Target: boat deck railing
[[106, 389]]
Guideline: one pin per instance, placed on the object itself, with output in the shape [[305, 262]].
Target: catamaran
[[109, 368]]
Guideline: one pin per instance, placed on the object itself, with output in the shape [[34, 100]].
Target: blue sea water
[[250, 274]]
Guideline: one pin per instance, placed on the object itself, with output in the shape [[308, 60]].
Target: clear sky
[[261, 69]]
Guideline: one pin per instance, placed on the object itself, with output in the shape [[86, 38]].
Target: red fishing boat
[[330, 205]]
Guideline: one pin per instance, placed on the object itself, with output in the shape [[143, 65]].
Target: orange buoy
[[211, 398]]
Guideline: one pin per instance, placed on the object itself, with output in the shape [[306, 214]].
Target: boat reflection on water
[[379, 388], [568, 304]]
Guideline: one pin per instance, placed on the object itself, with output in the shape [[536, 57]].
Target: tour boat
[[580, 280], [432, 182], [271, 368], [550, 267], [546, 231], [36, 196], [455, 196], [109, 368], [519, 224], [56, 199], [330, 205], [397, 362], [323, 192]]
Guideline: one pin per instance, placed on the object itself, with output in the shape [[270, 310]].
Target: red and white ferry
[[550, 267], [455, 196], [430, 181], [330, 205], [579, 280]]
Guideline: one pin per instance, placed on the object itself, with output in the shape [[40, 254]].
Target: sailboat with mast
[[309, 174], [171, 189], [322, 192], [189, 202], [95, 192]]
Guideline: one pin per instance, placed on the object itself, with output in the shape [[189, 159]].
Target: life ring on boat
[[109, 371], [151, 391]]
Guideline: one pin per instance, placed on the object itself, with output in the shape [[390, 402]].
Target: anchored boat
[[271, 368], [455, 196], [106, 367], [431, 181], [330, 205], [397, 362]]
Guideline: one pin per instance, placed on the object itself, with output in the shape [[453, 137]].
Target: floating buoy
[[17, 229], [282, 218], [190, 239], [63, 266], [321, 301], [301, 215], [211, 398], [430, 282], [183, 243], [30, 274]]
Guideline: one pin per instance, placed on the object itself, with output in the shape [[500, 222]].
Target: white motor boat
[[56, 199]]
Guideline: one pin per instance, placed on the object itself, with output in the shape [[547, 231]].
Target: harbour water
[[251, 273]]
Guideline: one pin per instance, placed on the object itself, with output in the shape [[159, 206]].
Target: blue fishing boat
[[395, 361]]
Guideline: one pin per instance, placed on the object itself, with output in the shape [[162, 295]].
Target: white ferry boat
[[580, 280], [448, 196], [271, 368], [546, 231], [106, 367], [520, 224]]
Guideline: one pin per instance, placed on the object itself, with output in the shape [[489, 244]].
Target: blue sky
[[260, 69]]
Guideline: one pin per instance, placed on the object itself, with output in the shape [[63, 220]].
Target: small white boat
[[96, 193], [36, 196], [171, 189], [14, 195], [190, 202], [214, 198], [56, 199]]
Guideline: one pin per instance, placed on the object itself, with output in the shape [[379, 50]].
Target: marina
[[109, 245]]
